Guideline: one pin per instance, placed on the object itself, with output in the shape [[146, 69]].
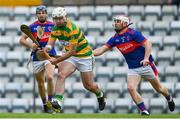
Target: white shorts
[[38, 66], [82, 64], [146, 72]]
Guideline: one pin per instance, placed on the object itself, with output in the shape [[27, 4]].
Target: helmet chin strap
[[119, 30]]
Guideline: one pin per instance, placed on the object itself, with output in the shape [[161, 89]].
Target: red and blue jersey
[[47, 26], [130, 44]]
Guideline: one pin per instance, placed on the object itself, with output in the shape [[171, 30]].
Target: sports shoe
[[55, 105], [145, 113], [171, 105], [46, 109], [102, 102]]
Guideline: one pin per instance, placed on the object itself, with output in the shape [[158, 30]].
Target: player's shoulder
[[114, 36], [55, 30], [34, 23], [133, 31], [72, 25]]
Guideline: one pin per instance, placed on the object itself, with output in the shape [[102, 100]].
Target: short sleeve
[[138, 37], [110, 43]]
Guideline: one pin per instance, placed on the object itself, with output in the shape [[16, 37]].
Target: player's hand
[[34, 46], [145, 62]]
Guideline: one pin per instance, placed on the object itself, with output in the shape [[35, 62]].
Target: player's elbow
[[148, 44]]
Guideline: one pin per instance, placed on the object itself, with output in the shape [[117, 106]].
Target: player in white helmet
[[78, 56], [124, 20], [136, 50]]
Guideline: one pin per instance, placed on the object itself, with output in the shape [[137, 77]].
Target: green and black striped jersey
[[71, 34]]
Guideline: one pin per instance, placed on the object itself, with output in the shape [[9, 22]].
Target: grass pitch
[[87, 116]]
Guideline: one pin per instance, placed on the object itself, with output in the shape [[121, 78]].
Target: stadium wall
[[84, 2], [108, 2], [20, 2]]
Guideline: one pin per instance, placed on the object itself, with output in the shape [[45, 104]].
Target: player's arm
[[101, 50], [66, 55], [148, 47], [23, 41], [72, 50], [69, 53]]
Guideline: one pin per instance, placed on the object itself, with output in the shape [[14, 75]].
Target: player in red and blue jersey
[[46, 27], [42, 69], [136, 50]]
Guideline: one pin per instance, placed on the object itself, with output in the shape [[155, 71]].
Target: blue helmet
[[41, 8]]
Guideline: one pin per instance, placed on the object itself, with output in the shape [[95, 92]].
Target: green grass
[[42, 115]]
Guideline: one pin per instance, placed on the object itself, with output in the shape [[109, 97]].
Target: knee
[[50, 78], [61, 76], [89, 86], [40, 81], [40, 84], [131, 88]]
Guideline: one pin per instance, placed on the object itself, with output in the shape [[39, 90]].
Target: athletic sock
[[59, 97], [142, 106], [99, 94], [50, 97], [169, 98]]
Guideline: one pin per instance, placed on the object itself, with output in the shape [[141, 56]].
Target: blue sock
[[50, 97], [142, 106]]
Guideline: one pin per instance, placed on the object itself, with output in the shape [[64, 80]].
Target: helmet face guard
[[60, 21], [59, 16], [122, 19]]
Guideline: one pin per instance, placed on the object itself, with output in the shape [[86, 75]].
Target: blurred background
[[159, 21]]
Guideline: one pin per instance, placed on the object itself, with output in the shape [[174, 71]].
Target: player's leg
[[42, 91], [85, 66], [39, 70], [132, 84], [65, 69], [164, 91], [87, 79], [49, 74], [155, 82]]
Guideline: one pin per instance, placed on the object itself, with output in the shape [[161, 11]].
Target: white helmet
[[122, 18], [59, 12]]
